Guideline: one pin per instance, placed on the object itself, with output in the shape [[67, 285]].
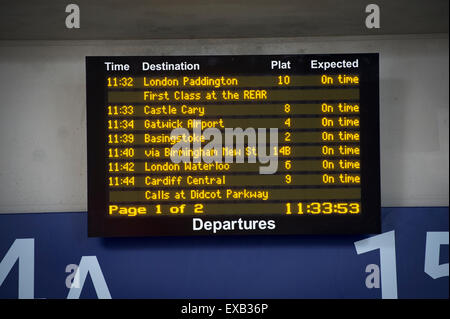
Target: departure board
[[233, 145]]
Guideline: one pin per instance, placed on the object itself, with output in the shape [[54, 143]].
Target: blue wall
[[226, 267]]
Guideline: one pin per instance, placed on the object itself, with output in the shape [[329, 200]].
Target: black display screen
[[231, 145]]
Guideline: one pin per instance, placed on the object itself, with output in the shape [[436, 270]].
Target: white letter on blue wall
[[22, 250], [432, 251], [386, 244], [89, 265]]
